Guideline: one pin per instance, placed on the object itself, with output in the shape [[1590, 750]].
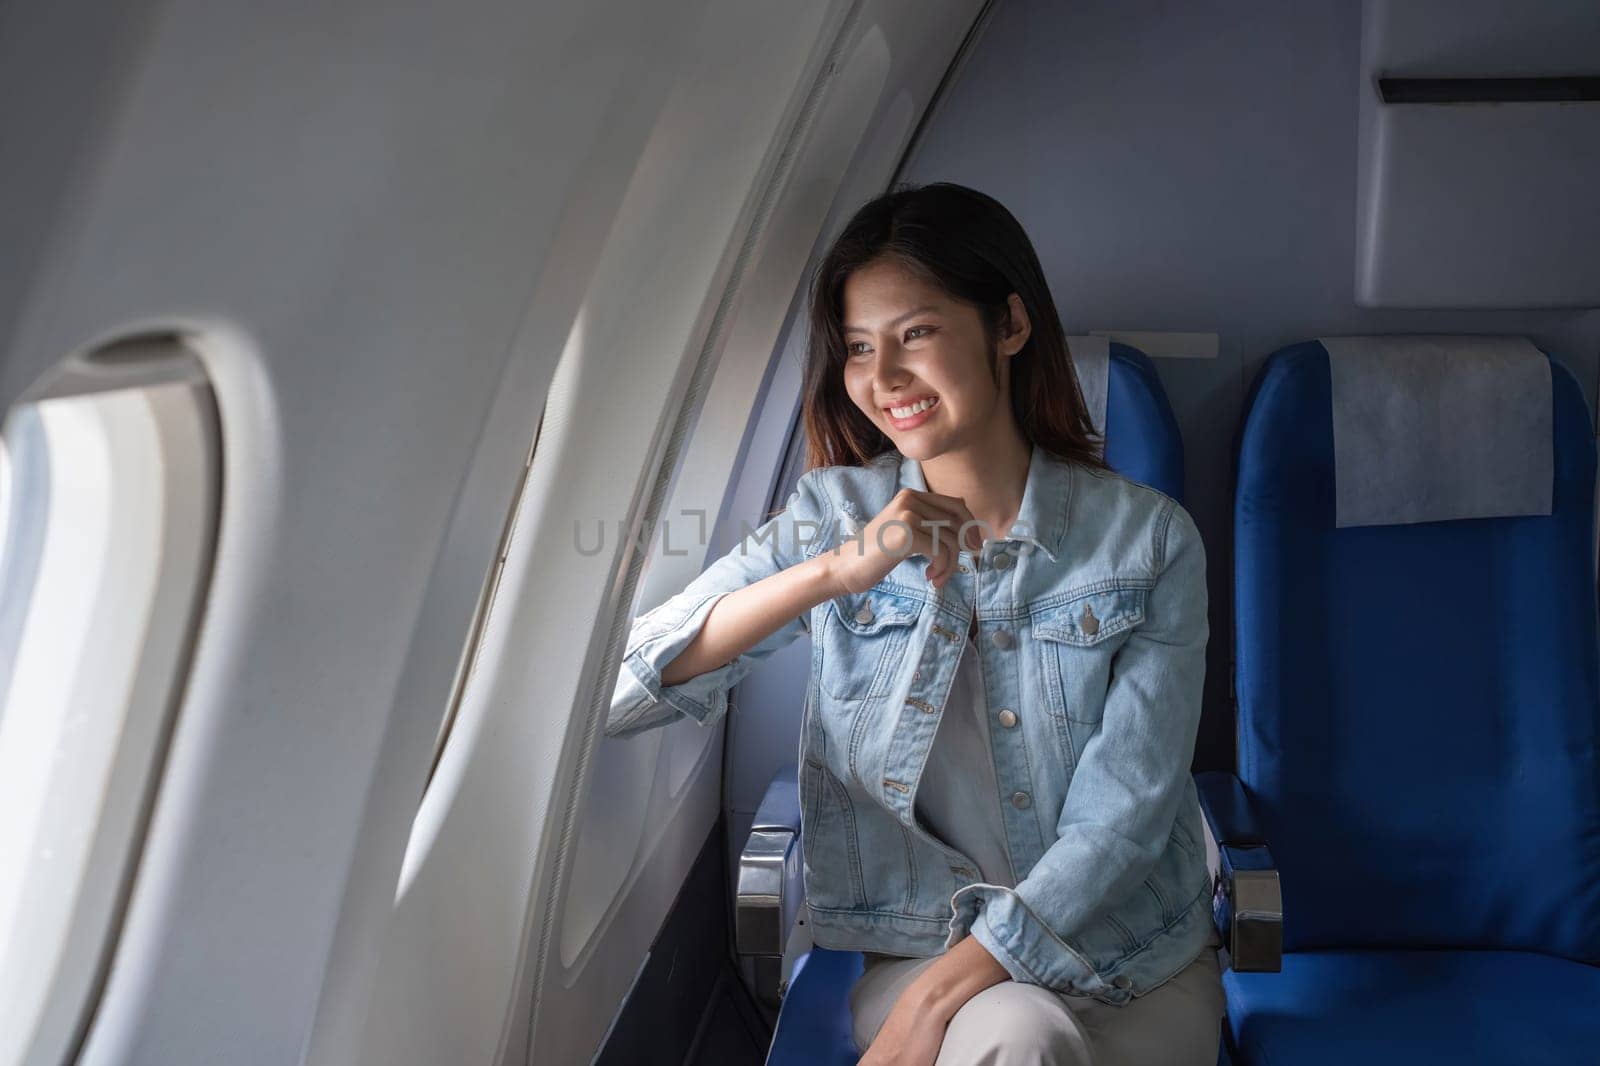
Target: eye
[[850, 349], [914, 329]]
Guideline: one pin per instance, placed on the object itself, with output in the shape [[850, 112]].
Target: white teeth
[[907, 412]]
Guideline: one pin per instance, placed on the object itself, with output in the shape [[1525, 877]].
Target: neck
[[989, 474]]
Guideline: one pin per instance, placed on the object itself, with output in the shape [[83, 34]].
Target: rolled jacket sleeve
[[1125, 792], [640, 701]]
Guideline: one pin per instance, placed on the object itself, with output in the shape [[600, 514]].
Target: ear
[[1020, 327]]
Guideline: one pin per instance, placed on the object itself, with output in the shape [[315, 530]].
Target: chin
[[919, 447]]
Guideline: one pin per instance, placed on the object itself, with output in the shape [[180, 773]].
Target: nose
[[888, 371]]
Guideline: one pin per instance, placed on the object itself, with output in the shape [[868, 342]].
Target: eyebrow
[[909, 314]]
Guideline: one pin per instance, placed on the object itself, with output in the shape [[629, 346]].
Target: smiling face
[[917, 363]]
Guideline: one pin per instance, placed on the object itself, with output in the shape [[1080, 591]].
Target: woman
[[1008, 727]]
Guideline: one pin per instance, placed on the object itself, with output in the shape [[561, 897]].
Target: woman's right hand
[[913, 523]]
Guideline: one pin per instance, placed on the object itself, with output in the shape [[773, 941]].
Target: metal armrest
[[1248, 903], [771, 885]]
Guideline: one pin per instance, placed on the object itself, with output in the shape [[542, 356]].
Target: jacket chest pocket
[[1075, 641], [865, 635]]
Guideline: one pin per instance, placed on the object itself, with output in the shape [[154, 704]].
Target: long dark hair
[[971, 247]]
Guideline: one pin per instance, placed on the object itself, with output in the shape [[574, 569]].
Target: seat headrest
[[1091, 359], [1429, 429]]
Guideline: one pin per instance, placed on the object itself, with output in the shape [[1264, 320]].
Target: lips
[[913, 421], [888, 408]]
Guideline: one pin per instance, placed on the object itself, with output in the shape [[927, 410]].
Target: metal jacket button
[[865, 614], [1008, 717], [1002, 561], [1003, 638], [1122, 981], [1020, 800]]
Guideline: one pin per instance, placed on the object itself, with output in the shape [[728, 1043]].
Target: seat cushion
[[1417, 1008], [814, 1023]]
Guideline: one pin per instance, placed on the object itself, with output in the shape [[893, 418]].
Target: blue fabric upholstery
[[1142, 439], [1418, 717], [814, 1024], [1419, 734], [1142, 443], [1420, 1008]]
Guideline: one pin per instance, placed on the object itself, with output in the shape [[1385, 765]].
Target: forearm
[[746, 616], [960, 973]]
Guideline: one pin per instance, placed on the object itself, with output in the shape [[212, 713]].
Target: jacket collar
[[1042, 519]]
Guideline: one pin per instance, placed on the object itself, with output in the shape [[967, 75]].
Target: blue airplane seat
[[1141, 442], [1419, 713], [1141, 433], [814, 1025]]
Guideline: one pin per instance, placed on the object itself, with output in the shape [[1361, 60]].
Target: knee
[[1014, 1024]]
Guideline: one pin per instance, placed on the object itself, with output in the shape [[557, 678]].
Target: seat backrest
[[1142, 439], [1418, 703]]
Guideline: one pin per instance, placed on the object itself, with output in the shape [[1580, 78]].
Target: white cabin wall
[[380, 223]]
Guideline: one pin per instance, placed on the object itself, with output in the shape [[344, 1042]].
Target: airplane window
[[109, 499]]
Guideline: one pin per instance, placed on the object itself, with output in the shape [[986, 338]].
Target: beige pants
[[1011, 1024]]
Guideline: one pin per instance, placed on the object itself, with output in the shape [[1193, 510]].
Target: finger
[[966, 528], [917, 508], [933, 505], [905, 533], [895, 533], [938, 558], [952, 503], [959, 525], [944, 559]]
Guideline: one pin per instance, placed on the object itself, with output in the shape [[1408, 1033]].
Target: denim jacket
[[1091, 622]]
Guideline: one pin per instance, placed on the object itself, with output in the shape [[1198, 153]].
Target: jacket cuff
[[640, 700], [1019, 940], [995, 946]]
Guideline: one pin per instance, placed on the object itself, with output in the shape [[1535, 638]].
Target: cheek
[[960, 394], [957, 370], [859, 389], [977, 389]]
